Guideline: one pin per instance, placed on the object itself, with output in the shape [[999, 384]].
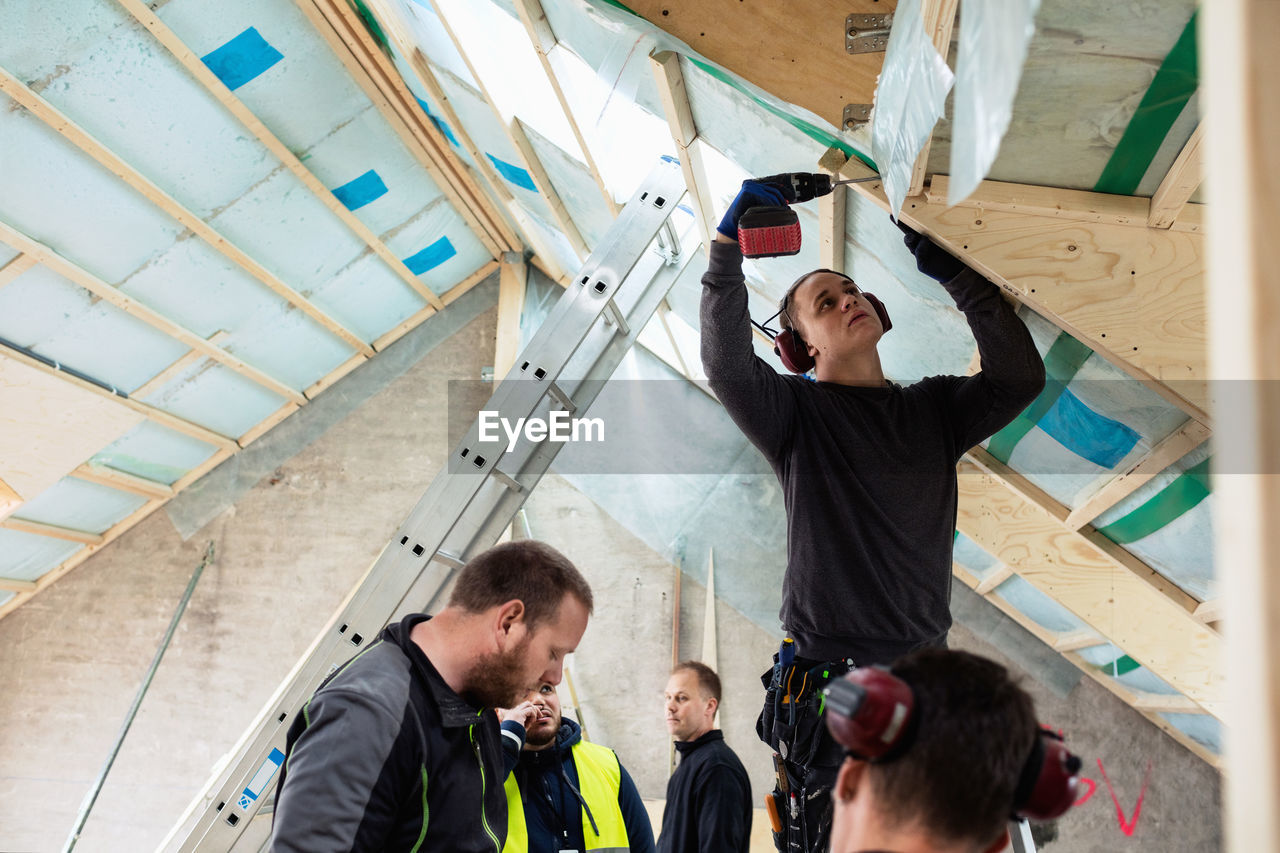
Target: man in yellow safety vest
[[564, 793]]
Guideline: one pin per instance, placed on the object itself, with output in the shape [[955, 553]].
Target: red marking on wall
[[1126, 826], [1093, 786]]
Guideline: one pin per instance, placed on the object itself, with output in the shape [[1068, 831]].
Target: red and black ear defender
[[791, 348], [871, 713]]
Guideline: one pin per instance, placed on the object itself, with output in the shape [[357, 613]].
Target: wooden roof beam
[[105, 475], [196, 67], [513, 277], [519, 136], [1169, 450], [51, 530], [16, 267], [1182, 180], [684, 133]]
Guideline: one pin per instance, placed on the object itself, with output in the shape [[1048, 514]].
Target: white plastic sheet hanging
[[994, 35], [910, 97]]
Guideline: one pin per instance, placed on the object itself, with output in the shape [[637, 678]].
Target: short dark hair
[[707, 678], [975, 729], [785, 308], [530, 571]]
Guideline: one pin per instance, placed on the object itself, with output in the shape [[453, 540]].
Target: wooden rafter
[[78, 274], [1133, 295], [528, 231], [105, 475], [155, 383], [1086, 539], [143, 14], [15, 268], [1056, 203], [831, 228], [544, 39], [51, 530], [1123, 693], [1180, 183], [512, 281], [16, 585], [83, 140], [152, 413], [1076, 640], [1132, 612], [684, 133], [378, 77], [561, 216], [939, 18], [519, 136], [1176, 445], [116, 530]]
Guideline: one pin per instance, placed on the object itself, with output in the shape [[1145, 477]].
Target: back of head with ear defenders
[[791, 348], [872, 713]]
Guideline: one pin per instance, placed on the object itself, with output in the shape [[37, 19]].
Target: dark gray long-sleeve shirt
[[868, 474]]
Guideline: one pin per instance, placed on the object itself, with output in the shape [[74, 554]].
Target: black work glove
[[931, 259]]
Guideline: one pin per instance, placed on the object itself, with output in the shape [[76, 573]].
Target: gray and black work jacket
[[387, 757]]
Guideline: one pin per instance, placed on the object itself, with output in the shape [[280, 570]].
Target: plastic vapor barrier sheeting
[[910, 97], [994, 35]]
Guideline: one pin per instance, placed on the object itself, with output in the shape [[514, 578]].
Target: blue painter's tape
[[242, 59], [1083, 431], [670, 159], [440, 125], [514, 174], [432, 256], [359, 192]]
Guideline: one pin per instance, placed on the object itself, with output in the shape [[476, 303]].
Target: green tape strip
[[1120, 666], [1191, 487], [1060, 364], [371, 24], [1172, 87], [813, 132]]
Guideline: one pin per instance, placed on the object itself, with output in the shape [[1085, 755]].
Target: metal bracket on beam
[[856, 115], [867, 33]]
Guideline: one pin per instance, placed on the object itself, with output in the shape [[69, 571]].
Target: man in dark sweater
[[708, 806], [565, 793], [867, 469], [399, 748]]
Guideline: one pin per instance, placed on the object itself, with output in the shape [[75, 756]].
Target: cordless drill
[[768, 232]]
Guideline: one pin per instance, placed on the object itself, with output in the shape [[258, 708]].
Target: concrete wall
[[304, 527]]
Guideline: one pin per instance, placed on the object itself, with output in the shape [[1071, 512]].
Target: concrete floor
[[292, 545]]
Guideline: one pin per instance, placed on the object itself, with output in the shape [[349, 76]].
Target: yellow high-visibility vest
[[599, 779]]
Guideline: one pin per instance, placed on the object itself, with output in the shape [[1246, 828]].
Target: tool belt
[[791, 720]]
